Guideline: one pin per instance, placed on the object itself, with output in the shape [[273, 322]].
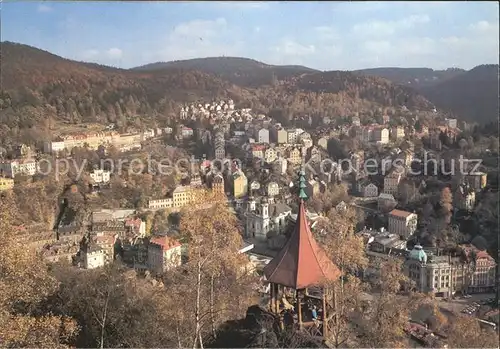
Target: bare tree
[[465, 332]]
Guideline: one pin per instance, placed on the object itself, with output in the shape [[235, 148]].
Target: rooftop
[[400, 213], [165, 242], [302, 262]]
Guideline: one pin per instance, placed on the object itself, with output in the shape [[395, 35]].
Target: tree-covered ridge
[[38, 86], [240, 71]]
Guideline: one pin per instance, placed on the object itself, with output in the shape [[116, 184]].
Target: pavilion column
[[334, 302], [271, 298], [276, 299], [325, 314], [299, 307]]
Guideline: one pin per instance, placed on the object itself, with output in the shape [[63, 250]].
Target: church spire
[[302, 185]]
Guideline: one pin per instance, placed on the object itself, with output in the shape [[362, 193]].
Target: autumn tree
[[213, 284], [322, 203], [24, 285], [388, 315], [115, 308], [437, 321], [465, 332], [446, 204], [347, 304]]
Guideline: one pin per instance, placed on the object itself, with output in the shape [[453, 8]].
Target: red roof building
[[302, 262], [166, 243]]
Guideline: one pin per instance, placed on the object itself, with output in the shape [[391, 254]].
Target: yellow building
[[240, 184], [477, 180], [295, 156], [6, 183], [218, 184], [182, 196]]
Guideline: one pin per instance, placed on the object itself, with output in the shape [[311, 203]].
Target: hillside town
[[250, 161]]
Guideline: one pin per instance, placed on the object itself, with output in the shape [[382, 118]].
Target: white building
[[283, 164], [93, 257], [220, 145], [368, 190], [53, 147], [263, 135], [100, 176], [160, 203], [264, 217], [292, 136], [186, 132], [13, 167], [402, 223], [386, 202], [273, 189], [391, 182], [270, 155], [381, 135], [451, 123], [164, 253]]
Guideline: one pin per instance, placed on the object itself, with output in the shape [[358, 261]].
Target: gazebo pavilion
[[300, 265]]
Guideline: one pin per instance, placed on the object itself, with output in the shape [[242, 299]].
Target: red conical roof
[[302, 262]]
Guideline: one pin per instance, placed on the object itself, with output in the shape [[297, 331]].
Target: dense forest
[[39, 88]]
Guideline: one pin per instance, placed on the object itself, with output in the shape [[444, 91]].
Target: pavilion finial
[[302, 185]]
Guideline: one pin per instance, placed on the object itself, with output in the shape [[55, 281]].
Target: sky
[[322, 35]]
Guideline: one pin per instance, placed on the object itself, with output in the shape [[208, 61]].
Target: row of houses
[[94, 141], [184, 195]]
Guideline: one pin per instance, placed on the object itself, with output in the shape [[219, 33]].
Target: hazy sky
[[322, 35]]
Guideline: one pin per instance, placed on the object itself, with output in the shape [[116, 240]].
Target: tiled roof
[[400, 213], [302, 262], [165, 242]]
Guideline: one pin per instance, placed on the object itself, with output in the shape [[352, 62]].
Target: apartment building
[[160, 203], [217, 184], [240, 184], [270, 155], [464, 198], [391, 182], [6, 183], [272, 189], [397, 132], [93, 141], [323, 143], [356, 121], [263, 136], [10, 168], [445, 274], [186, 132], [295, 156], [220, 145], [402, 223], [282, 136], [100, 176], [381, 135], [292, 136], [451, 123], [258, 151], [477, 180], [106, 242], [93, 257], [182, 195], [164, 253], [368, 189]]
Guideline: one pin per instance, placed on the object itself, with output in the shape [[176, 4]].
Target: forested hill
[[471, 95], [38, 86], [241, 71], [413, 77]]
